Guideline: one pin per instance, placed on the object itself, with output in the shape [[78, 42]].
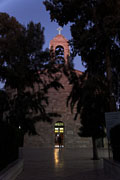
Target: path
[[64, 164]]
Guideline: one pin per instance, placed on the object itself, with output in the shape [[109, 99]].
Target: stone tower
[[60, 46]]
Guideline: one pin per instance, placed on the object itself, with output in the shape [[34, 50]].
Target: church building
[[63, 126]]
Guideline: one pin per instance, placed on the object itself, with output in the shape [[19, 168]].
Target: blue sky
[[34, 10]]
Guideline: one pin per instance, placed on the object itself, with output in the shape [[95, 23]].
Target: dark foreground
[[63, 164]]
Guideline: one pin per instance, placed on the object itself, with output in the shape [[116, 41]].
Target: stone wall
[[57, 104]]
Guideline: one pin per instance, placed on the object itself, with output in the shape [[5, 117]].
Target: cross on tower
[[59, 30]]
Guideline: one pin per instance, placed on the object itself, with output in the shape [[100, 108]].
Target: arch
[[59, 54], [62, 42], [59, 132]]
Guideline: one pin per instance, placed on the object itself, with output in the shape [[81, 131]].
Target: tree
[[96, 34], [95, 37], [92, 103], [90, 97], [26, 71], [4, 103]]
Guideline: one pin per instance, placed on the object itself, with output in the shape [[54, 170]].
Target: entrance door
[[59, 131]]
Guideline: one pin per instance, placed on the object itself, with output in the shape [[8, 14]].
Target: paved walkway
[[63, 164]]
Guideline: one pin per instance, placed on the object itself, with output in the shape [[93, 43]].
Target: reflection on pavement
[[58, 158]]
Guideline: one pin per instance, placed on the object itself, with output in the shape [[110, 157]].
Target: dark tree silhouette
[[90, 96], [26, 71], [96, 35]]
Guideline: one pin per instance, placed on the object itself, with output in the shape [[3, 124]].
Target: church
[[63, 126]]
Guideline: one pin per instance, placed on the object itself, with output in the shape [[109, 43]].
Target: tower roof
[[59, 39]]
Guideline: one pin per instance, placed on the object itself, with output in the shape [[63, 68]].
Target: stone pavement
[[62, 164]]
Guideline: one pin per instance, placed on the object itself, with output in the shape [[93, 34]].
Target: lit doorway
[[59, 131]]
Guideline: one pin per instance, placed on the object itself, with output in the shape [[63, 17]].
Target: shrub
[[8, 144], [115, 142]]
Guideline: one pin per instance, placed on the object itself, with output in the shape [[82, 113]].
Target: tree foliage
[[90, 96], [95, 29], [26, 71]]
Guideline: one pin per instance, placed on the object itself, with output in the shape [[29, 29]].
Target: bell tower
[[60, 47]]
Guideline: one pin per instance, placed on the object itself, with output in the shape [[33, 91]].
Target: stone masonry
[[57, 104]]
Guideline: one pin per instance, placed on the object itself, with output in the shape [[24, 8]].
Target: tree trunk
[[112, 104], [95, 151]]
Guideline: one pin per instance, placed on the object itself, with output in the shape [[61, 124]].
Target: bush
[[8, 144], [115, 142]]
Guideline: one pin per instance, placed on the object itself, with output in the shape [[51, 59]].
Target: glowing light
[[56, 156]]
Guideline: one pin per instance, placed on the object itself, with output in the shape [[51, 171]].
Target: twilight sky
[[34, 10]]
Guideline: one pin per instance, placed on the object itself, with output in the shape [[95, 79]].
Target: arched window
[[59, 55], [59, 127]]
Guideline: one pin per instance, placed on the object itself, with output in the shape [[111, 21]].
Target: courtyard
[[62, 164]]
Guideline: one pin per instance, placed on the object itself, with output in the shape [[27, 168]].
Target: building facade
[[63, 125]]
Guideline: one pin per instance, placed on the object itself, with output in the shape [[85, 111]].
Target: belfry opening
[[59, 133], [59, 54]]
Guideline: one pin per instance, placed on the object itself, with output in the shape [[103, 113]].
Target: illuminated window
[[56, 130], [59, 124], [61, 130], [59, 127]]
